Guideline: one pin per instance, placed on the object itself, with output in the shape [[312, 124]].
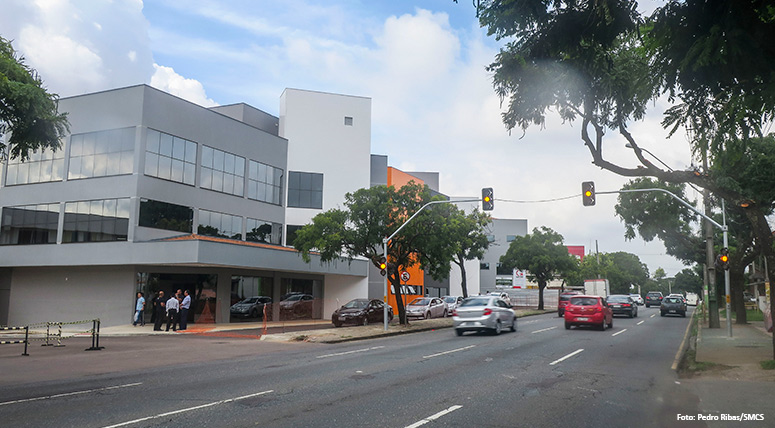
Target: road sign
[[405, 276]]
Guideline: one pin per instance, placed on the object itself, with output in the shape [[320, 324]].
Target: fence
[[55, 332], [531, 301]]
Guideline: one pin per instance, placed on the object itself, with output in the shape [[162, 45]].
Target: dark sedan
[[361, 312], [252, 307], [622, 304], [672, 306]]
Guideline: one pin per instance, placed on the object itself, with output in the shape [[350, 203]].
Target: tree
[[464, 236], [27, 111], [542, 254], [620, 269], [371, 215]]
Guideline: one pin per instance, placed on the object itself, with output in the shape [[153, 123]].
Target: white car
[[452, 303], [503, 296], [484, 313], [638, 299], [426, 307]]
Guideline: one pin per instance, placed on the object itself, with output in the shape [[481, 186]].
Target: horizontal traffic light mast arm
[[714, 222], [385, 240]]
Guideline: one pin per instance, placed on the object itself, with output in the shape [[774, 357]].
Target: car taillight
[[625, 304], [454, 312], [487, 311], [598, 309]]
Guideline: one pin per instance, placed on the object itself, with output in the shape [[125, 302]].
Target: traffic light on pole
[[488, 201], [588, 193], [722, 260], [382, 266]]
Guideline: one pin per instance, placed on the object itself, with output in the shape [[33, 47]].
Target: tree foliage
[[27, 111], [620, 269], [543, 255]]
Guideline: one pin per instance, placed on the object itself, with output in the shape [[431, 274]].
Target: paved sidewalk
[[739, 356]]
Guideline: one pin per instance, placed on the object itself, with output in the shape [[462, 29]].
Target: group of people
[[174, 310]]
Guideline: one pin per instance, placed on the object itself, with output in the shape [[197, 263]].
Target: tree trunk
[[737, 282], [464, 282], [395, 281], [541, 286]]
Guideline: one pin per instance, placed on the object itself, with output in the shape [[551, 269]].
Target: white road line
[[619, 332], [653, 315], [350, 352], [67, 394], [434, 417], [175, 412], [641, 322], [449, 352], [543, 329], [578, 351]]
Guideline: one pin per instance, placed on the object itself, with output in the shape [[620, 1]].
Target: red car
[[588, 310], [564, 298]]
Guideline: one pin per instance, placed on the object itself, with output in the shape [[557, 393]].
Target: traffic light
[[488, 202], [588, 193], [722, 260], [382, 266]]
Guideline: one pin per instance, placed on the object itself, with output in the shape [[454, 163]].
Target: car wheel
[[661, 313], [365, 320], [647, 305], [459, 332], [253, 313], [337, 324], [683, 314], [514, 325], [559, 314], [567, 325], [445, 314], [498, 328], [610, 324], [636, 313], [601, 327], [426, 316]]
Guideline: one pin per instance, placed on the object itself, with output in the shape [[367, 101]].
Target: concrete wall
[[500, 228], [72, 294], [340, 289]]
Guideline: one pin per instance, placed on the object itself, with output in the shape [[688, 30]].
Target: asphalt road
[[540, 376]]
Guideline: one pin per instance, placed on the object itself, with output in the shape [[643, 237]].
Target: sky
[[422, 63]]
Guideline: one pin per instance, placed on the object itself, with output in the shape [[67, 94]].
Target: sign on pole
[[405, 276], [518, 279]]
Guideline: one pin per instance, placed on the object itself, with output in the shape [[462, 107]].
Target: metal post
[[26, 339], [48, 332], [385, 281], [59, 337], [726, 274]]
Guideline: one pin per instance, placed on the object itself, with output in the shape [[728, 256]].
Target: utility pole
[[710, 261]]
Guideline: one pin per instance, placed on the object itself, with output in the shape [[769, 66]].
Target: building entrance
[[201, 288]]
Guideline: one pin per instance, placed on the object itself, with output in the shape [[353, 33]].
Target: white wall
[[73, 294], [340, 289], [320, 142]]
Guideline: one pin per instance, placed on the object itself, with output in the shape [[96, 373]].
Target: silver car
[[483, 313], [452, 302], [426, 307]]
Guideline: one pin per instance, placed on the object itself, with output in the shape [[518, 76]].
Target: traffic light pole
[[711, 221], [385, 244]]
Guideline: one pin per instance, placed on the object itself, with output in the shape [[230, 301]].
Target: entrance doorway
[[201, 288]]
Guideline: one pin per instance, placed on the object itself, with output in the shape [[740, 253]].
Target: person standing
[[139, 308], [184, 306], [172, 313], [159, 312]]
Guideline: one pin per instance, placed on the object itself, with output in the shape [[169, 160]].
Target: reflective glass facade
[[96, 221], [29, 224], [163, 215], [213, 223], [170, 158], [103, 153], [222, 171], [42, 166], [305, 190], [263, 231], [265, 183]]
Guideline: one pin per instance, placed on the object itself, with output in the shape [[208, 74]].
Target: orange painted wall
[[398, 179]]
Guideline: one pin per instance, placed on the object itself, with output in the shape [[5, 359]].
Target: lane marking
[[641, 322], [67, 394], [449, 352], [578, 351], [350, 352], [619, 332], [653, 315], [175, 412], [544, 329], [434, 417]]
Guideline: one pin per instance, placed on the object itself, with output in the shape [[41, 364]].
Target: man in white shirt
[[184, 306], [172, 313]]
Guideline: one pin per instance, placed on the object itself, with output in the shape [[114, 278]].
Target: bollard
[[48, 332], [59, 338], [95, 336], [26, 340]]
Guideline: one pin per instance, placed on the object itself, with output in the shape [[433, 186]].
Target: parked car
[[361, 312], [563, 300], [672, 305], [654, 298], [588, 310], [297, 306], [484, 313], [622, 304], [426, 307], [638, 298], [252, 307], [452, 302], [503, 296]]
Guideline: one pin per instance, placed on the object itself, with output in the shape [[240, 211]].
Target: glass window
[[96, 221], [227, 171], [42, 166], [170, 158], [305, 190], [265, 183], [102, 153], [29, 224], [163, 215], [290, 234], [212, 223], [263, 231]]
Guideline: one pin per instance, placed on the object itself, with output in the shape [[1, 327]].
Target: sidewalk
[[737, 357]]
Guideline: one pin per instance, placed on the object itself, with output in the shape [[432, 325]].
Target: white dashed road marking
[[578, 351], [433, 417]]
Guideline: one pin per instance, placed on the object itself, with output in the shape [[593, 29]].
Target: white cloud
[[167, 80]]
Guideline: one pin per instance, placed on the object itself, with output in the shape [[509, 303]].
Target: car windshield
[[420, 301], [673, 300], [619, 299], [294, 297], [475, 302], [583, 301], [356, 304], [450, 299], [634, 296], [566, 297], [250, 300]]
